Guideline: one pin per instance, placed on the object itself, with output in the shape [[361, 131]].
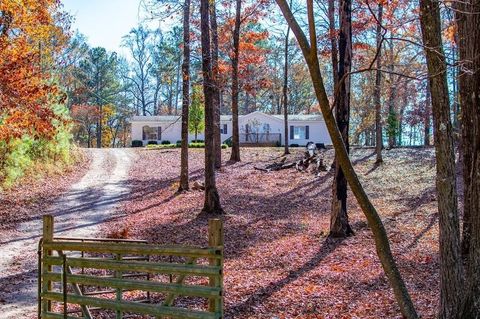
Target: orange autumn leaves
[[31, 35], [251, 48]]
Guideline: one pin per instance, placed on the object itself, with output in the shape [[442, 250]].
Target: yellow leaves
[[108, 111]]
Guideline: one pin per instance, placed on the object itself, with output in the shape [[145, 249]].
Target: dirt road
[[79, 212]]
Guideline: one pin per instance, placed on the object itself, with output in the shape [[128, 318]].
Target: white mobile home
[[255, 128]]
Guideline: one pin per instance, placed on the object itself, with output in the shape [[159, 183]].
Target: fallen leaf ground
[[35, 193], [278, 263]]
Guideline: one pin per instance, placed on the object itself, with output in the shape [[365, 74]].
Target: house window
[[266, 128], [152, 133], [299, 132], [223, 129]]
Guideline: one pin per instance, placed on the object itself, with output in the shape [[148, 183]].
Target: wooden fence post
[[119, 293], [215, 239], [47, 238]]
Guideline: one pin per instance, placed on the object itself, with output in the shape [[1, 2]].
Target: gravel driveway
[[79, 212]]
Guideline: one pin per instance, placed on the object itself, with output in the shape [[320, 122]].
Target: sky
[[104, 22]]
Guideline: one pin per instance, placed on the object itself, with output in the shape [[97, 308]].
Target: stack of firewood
[[309, 163]]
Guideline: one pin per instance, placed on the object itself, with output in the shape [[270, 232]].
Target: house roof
[[167, 118], [173, 118], [301, 117], [150, 118]]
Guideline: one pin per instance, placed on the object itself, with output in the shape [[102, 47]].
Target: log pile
[[198, 186], [309, 163]]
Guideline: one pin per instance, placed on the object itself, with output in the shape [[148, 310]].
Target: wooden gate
[[104, 278]]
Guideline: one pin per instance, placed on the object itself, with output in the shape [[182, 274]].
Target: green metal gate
[[81, 277]]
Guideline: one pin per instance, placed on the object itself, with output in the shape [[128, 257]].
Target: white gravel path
[[78, 213]]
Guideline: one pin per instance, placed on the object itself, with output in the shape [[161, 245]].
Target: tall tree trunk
[[467, 100], [468, 20], [185, 96], [333, 42], [339, 225], [376, 94], [449, 228], [400, 126], [374, 221], [235, 156], [170, 99], [285, 93], [99, 126], [89, 141], [426, 118], [455, 86], [392, 116], [177, 82], [212, 199], [216, 88]]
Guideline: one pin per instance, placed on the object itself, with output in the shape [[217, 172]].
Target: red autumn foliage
[[252, 59], [31, 34]]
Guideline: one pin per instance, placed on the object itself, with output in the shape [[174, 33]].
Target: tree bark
[[235, 155], [333, 42], [391, 100], [339, 225], [212, 199], [380, 236], [185, 96], [177, 82], [376, 93], [449, 229], [99, 125], [285, 93], [400, 126], [216, 88], [467, 16], [426, 118]]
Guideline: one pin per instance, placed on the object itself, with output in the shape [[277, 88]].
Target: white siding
[[317, 133], [172, 132]]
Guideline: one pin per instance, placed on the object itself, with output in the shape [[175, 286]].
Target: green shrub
[[137, 143], [392, 124], [198, 141], [33, 155], [294, 145], [202, 145], [166, 142], [152, 143], [228, 142], [16, 159], [160, 146], [196, 145]]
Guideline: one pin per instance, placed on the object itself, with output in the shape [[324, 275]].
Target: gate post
[[47, 238], [215, 239]]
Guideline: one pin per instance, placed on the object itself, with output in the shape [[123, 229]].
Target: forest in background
[[148, 80], [63, 90]]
